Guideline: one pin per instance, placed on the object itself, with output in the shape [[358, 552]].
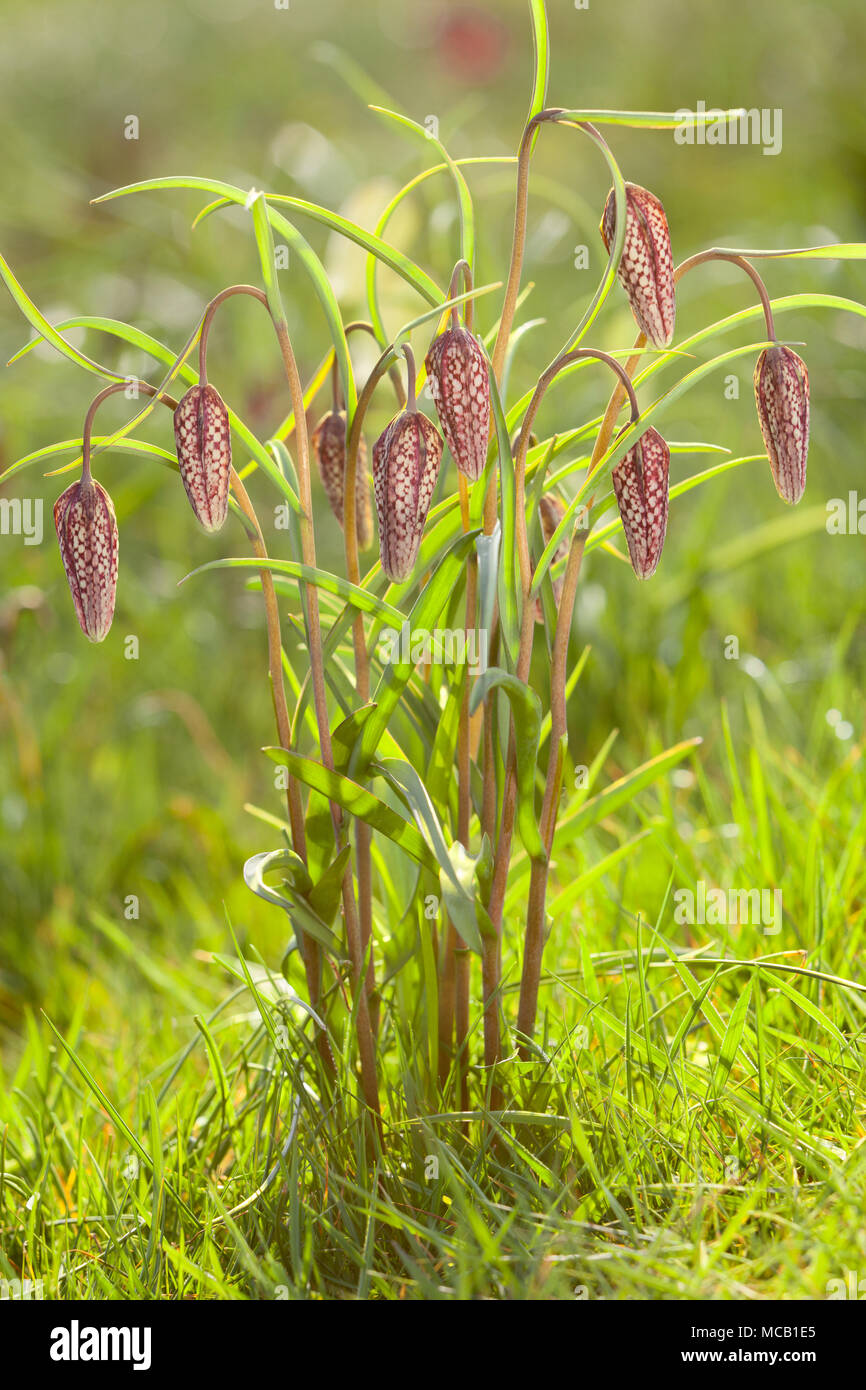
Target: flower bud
[[460, 385], [406, 460], [204, 452], [87, 532], [782, 397], [551, 512], [640, 481], [329, 446], [646, 268]]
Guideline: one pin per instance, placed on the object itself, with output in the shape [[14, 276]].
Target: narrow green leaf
[[464, 197], [355, 596], [378, 248], [731, 1041], [456, 867], [425, 612], [358, 802], [526, 723]]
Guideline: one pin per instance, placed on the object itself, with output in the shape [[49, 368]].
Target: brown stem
[[362, 326], [534, 941], [719, 254], [209, 312], [463, 972], [97, 402], [366, 1045], [512, 286], [308, 549], [411, 395], [362, 664], [310, 950], [462, 270], [533, 947], [491, 959], [524, 657]]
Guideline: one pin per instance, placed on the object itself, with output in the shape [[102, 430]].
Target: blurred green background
[[121, 777]]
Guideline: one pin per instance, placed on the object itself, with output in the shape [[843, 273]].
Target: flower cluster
[[408, 453]]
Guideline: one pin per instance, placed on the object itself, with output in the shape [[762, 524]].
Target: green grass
[[690, 1129]]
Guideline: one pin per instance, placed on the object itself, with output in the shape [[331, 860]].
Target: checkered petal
[[640, 482], [329, 446], [459, 382], [646, 269], [782, 398], [87, 534], [406, 461], [204, 452]]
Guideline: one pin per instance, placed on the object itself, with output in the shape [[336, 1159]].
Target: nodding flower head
[[457, 369], [640, 481], [329, 446], [647, 267], [204, 452], [87, 532], [782, 398], [406, 460]]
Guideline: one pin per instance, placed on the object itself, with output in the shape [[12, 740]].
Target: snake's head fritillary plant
[[460, 386], [476, 755], [203, 440], [646, 269], [640, 482], [87, 533], [328, 442], [406, 461], [782, 398]]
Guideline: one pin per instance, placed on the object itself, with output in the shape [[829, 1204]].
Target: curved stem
[[209, 312], [103, 395], [461, 270], [518, 241], [363, 326], [544, 381], [719, 254]]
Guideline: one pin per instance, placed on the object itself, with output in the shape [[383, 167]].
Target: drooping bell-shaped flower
[[204, 452], [406, 460], [87, 533], [460, 385], [782, 398], [328, 441], [646, 269], [640, 482]]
